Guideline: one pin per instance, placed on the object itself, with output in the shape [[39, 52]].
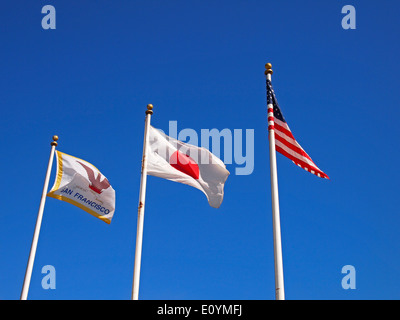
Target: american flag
[[285, 143]]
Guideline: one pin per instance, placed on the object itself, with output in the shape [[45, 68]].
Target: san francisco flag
[[82, 184]]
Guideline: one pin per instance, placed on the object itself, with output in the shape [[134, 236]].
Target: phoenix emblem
[[95, 184]]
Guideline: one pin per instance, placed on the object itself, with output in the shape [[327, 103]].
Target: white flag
[[81, 183], [174, 160]]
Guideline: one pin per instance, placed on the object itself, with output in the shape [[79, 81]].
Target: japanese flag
[[82, 184], [177, 161]]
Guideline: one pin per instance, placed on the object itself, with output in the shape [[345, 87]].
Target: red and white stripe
[[270, 117], [286, 144]]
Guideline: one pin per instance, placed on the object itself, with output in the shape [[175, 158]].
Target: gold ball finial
[[268, 69], [54, 143], [149, 109]]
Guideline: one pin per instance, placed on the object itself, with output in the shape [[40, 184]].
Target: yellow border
[[79, 205], [59, 172], [62, 198]]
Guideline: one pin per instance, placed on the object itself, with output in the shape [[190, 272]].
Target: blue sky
[[201, 63]]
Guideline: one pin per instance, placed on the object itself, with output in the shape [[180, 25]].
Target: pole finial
[[54, 142], [268, 69], [149, 109]]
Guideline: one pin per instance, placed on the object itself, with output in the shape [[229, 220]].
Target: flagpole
[[279, 285], [29, 268], [142, 197]]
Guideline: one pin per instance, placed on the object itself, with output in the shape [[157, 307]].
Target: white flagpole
[[142, 197], [279, 285], [29, 268]]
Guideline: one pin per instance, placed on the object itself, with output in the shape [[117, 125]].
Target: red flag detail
[[185, 164]]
